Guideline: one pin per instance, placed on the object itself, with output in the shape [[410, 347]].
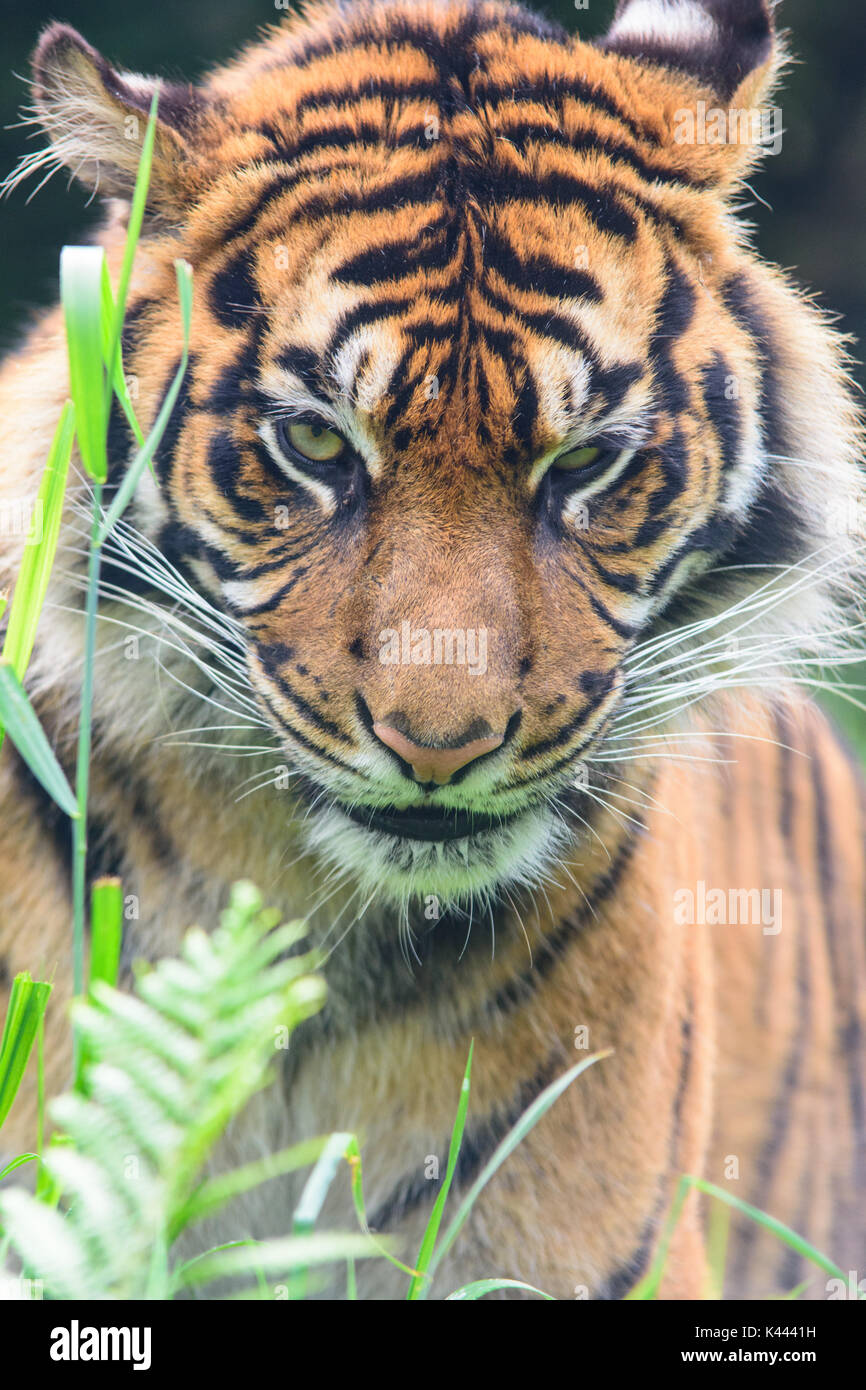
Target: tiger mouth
[[433, 824]]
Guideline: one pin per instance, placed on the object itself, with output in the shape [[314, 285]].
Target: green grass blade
[[40, 1093], [81, 280], [17, 1163], [428, 1241], [526, 1122], [110, 353], [318, 1184], [769, 1223], [215, 1193], [648, 1287], [106, 930], [313, 1196], [794, 1294], [718, 1230], [32, 581], [23, 727], [27, 1001], [470, 1292], [353, 1158], [133, 232], [282, 1256], [144, 455]]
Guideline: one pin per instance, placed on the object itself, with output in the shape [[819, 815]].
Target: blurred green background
[[809, 205]]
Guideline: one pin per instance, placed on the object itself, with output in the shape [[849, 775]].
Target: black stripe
[[479, 1143], [521, 988], [119, 442], [140, 802], [741, 302], [601, 203], [270, 192], [776, 532], [624, 1278], [567, 732], [686, 1040], [786, 745], [293, 733], [672, 463], [453, 45], [525, 415], [305, 365], [402, 396], [712, 538], [236, 382], [274, 600], [622, 629], [223, 461], [343, 98], [57, 827], [233, 292], [787, 1089], [163, 459], [673, 319], [722, 408], [396, 260], [269, 655], [779, 1125], [345, 134], [374, 311], [625, 583], [849, 1034], [551, 325], [612, 383], [551, 91], [590, 142], [421, 188], [536, 271]]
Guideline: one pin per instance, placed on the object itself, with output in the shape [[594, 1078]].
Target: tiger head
[[497, 443]]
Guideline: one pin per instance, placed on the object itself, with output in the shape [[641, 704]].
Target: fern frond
[[168, 1068]]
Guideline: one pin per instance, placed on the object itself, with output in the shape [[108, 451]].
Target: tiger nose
[[435, 764]]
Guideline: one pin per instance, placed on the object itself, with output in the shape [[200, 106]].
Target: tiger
[[475, 609]]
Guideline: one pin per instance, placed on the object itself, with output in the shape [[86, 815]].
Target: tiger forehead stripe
[[381, 132]]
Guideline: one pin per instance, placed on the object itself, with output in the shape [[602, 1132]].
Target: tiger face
[[480, 396]]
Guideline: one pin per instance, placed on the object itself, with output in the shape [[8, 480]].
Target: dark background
[[811, 217]]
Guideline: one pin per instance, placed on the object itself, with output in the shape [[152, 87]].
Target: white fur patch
[[678, 23], [394, 870]]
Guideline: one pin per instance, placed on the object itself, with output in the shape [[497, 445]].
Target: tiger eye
[[577, 459], [315, 442]]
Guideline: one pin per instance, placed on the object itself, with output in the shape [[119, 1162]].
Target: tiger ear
[[730, 49], [95, 119]]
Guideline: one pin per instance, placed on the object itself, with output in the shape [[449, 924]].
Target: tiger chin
[[478, 346]]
